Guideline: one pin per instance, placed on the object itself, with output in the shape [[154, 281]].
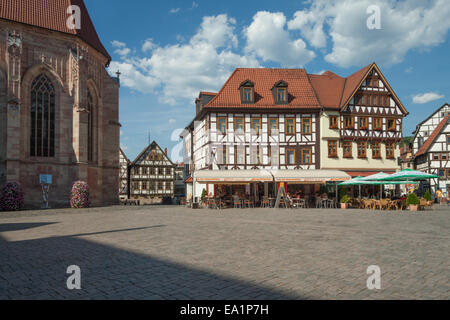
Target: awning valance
[[310, 176], [265, 175]]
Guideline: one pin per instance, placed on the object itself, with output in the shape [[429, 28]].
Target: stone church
[[59, 108]]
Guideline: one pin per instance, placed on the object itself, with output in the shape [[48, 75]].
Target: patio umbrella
[[409, 175], [376, 177]]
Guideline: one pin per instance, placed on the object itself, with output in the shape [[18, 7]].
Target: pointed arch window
[[90, 133], [42, 117]]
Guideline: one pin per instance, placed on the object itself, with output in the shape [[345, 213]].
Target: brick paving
[[178, 253]]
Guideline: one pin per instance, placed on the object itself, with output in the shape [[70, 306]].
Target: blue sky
[[168, 51]]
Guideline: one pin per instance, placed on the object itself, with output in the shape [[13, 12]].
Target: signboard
[[45, 179]]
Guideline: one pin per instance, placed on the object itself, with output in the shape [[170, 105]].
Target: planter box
[[413, 207], [344, 205]]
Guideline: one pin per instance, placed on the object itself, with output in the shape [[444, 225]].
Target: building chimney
[[165, 151]]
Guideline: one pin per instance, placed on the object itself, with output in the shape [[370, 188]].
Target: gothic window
[[90, 133], [42, 118]]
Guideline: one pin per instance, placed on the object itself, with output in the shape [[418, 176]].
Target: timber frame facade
[[151, 175], [290, 120], [123, 174]]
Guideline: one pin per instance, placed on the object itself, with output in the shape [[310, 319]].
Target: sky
[[169, 51]]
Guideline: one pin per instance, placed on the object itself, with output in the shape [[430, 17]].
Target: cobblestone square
[[178, 253]]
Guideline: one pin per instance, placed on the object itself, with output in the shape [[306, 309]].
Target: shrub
[[204, 194], [345, 199], [427, 195], [11, 197], [412, 200], [80, 195], [343, 191]]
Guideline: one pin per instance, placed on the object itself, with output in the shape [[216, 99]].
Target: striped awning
[[310, 176]]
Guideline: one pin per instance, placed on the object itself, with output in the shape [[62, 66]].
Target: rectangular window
[[377, 123], [362, 150], [363, 123], [144, 185], [306, 126], [306, 156], [239, 155], [239, 125], [273, 126], [274, 155], [290, 126], [349, 122], [334, 122], [248, 95], [444, 156], [332, 149], [390, 149], [256, 126], [391, 124], [160, 185], [290, 156], [222, 155], [441, 172], [376, 150], [281, 95], [255, 155], [222, 125], [347, 148]]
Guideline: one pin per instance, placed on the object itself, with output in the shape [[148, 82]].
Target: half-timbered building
[[361, 122], [431, 148], [123, 174], [151, 174]]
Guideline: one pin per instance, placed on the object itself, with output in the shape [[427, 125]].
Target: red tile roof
[[306, 90], [432, 137], [52, 15], [301, 93]]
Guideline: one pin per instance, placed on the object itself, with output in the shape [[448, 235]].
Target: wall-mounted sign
[[45, 179]]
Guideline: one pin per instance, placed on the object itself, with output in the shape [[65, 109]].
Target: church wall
[[49, 52]]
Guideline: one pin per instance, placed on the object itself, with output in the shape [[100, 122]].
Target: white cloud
[[426, 97], [409, 70], [174, 10], [405, 26], [194, 5], [122, 49], [148, 45], [181, 71], [268, 39], [172, 121], [118, 44]]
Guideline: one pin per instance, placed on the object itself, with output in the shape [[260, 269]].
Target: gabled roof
[[52, 15], [123, 155], [429, 142], [301, 93], [150, 147], [328, 87], [428, 118]]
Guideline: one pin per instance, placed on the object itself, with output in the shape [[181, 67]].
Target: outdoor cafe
[[304, 189]]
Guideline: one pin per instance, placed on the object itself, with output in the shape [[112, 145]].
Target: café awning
[[232, 176], [310, 176], [265, 175]]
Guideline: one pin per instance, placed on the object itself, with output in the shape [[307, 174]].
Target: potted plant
[[204, 194], [413, 202], [344, 201]]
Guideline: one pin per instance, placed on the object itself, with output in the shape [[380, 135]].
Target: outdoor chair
[[265, 203], [248, 203]]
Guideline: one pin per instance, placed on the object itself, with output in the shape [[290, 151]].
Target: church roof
[[52, 15]]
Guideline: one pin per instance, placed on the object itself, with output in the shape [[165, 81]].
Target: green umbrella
[[409, 175]]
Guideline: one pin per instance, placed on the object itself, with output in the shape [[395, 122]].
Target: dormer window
[[247, 92], [280, 92]]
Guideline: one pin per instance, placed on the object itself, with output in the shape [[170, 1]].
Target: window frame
[[218, 125], [349, 154], [334, 124], [302, 152], [271, 154], [309, 120], [270, 125], [352, 122], [333, 144], [366, 125], [287, 156], [252, 120], [376, 155], [281, 89], [394, 121], [294, 125], [374, 121], [236, 130], [362, 149], [391, 145]]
